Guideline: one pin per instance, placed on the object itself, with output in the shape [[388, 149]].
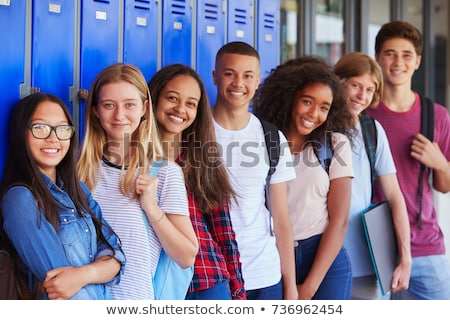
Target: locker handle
[[83, 94], [35, 89]]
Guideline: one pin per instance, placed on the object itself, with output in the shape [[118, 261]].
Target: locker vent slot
[[178, 7], [269, 21], [240, 16], [211, 11], [142, 4]]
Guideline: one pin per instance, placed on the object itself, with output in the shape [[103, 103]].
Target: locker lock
[[35, 89], [83, 94]]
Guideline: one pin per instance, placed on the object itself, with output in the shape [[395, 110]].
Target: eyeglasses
[[43, 131]]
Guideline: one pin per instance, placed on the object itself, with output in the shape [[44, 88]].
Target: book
[[382, 243]]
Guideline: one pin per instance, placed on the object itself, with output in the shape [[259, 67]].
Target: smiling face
[[359, 93], [237, 77], [119, 110], [49, 152], [310, 110], [177, 105], [398, 61]]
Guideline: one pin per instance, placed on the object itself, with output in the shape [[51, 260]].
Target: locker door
[[12, 65], [240, 21], [141, 35], [53, 42], [99, 43], [210, 36], [268, 35], [176, 32]]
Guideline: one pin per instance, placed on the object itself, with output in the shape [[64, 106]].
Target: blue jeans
[[337, 283], [274, 292], [430, 279], [221, 291]]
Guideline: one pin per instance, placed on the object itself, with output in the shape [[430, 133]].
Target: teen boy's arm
[[430, 155], [284, 238]]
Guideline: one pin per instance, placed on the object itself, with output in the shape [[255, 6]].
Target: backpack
[[369, 131], [426, 128], [272, 140], [8, 290], [170, 281], [324, 150], [14, 279]]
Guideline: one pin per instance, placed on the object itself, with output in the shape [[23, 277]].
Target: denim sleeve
[[110, 235], [33, 237]]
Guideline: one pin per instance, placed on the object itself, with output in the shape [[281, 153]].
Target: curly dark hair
[[276, 96]]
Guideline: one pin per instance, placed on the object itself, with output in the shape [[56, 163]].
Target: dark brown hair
[[21, 170], [204, 171], [399, 29], [237, 47]]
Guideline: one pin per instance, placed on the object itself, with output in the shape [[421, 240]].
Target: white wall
[[442, 203]]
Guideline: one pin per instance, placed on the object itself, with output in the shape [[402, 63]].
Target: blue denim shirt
[[41, 248]]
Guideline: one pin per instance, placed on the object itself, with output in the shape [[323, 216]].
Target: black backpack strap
[[427, 120], [272, 140], [324, 151], [369, 133], [427, 129]]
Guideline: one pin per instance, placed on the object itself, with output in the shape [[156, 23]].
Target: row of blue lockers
[[59, 46]]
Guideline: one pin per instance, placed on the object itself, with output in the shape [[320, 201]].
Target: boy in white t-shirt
[[267, 260]]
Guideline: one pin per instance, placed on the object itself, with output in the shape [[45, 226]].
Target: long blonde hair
[[146, 135]]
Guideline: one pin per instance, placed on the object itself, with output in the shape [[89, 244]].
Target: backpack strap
[[324, 151], [369, 133], [427, 117], [427, 129], [272, 140]]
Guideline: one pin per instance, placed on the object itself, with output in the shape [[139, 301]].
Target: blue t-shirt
[[355, 241]]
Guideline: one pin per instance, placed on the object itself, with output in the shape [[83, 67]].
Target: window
[[329, 30], [289, 36]]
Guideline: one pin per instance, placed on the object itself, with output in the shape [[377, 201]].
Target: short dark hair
[[237, 47], [399, 29]]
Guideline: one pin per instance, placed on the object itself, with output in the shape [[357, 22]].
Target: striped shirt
[[139, 241]]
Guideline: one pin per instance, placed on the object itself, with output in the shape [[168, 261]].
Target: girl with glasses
[[52, 225]]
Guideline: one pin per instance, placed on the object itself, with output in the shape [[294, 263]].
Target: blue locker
[[99, 43], [176, 32], [12, 65], [268, 34], [240, 26], [141, 35], [53, 42], [210, 36]]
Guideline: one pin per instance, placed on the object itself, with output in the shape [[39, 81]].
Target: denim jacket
[[42, 249]]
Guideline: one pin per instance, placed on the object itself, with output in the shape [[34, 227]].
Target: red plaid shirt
[[218, 256]]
